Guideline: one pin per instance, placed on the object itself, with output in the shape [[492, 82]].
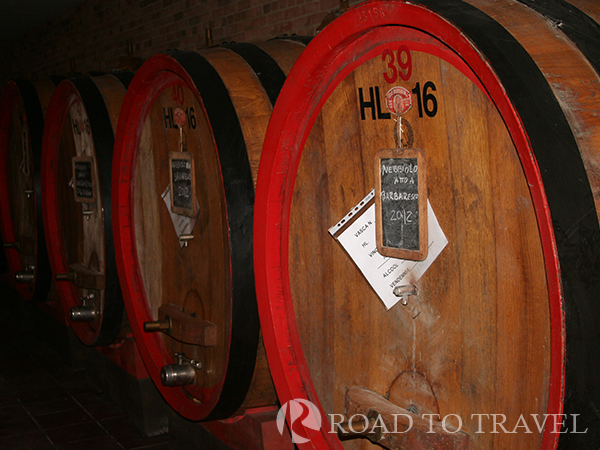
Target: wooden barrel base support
[[495, 342], [77, 160], [187, 152], [22, 108]]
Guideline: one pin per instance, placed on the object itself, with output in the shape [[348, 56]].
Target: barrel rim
[[284, 142]]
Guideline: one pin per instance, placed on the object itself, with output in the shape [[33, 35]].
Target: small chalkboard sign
[[401, 203], [84, 171], [183, 183]]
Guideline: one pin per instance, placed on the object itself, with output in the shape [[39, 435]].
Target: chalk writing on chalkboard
[[401, 203], [83, 179], [183, 183]]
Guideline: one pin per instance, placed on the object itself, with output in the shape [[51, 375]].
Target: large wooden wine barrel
[[497, 332], [23, 106], [187, 152], [76, 179]]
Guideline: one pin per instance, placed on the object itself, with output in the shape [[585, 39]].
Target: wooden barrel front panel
[[510, 147], [213, 107], [77, 202], [23, 105]]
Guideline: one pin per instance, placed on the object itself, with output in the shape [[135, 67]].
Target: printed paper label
[[384, 273]]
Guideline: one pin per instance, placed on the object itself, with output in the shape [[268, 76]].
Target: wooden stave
[[35, 97], [583, 31], [196, 69], [101, 97], [284, 56], [577, 19], [274, 293], [589, 8]]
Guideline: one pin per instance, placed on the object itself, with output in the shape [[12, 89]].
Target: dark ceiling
[[17, 17]]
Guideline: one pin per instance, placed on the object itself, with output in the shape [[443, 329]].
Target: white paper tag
[[183, 224], [384, 273]]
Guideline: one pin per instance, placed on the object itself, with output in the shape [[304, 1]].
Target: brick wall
[[95, 35]]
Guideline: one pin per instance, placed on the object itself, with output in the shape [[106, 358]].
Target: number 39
[[404, 62]]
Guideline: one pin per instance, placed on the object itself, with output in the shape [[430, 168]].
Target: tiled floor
[[44, 404]]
